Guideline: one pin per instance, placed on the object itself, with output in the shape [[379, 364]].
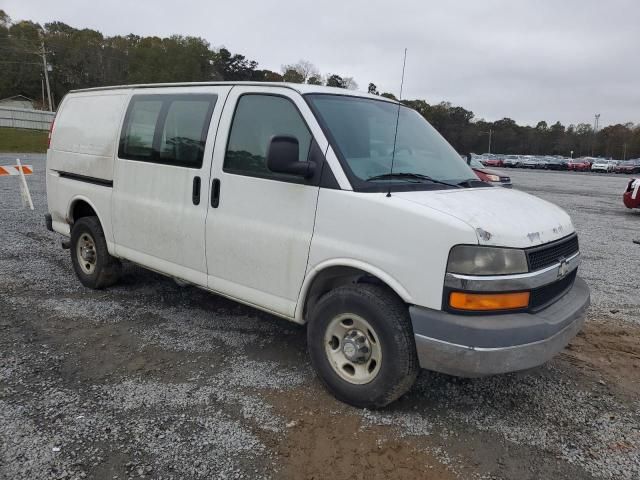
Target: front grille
[[543, 296], [546, 255]]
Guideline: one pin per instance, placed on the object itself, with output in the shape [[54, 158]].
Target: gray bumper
[[478, 345]]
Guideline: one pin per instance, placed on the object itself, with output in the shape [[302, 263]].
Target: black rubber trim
[[86, 179], [327, 178], [48, 221]]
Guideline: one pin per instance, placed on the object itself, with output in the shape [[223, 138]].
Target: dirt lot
[[150, 380]]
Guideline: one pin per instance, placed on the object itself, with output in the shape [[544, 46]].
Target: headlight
[[493, 178], [476, 260]]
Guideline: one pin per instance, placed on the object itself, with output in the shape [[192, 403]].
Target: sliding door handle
[[215, 193], [195, 193]]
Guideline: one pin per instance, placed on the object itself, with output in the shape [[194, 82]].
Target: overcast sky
[[528, 60]]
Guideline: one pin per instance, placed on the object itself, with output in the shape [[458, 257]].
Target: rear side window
[[140, 128], [257, 119], [167, 129]]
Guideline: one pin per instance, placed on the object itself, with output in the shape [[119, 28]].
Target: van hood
[[499, 216]]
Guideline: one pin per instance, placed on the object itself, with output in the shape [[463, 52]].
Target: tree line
[[82, 58]]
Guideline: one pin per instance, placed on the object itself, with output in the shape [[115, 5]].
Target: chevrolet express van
[[303, 201]]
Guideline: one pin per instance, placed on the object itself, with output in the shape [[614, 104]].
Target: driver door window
[[257, 119]]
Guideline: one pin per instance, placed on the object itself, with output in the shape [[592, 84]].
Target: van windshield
[[363, 132]]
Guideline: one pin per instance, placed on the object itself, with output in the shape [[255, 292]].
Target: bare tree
[[350, 83], [305, 68]]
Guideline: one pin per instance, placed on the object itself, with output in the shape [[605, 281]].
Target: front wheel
[[361, 345]]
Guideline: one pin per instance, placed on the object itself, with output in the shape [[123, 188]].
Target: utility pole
[[490, 132], [46, 76], [624, 151], [596, 119]]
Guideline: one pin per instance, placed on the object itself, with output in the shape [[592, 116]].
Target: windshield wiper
[[416, 176], [471, 181]]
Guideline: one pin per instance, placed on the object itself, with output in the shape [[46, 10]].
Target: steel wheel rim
[[340, 338], [86, 253]]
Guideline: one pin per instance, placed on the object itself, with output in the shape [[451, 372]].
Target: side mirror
[[282, 157]]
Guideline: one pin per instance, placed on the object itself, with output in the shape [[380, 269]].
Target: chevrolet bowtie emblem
[[563, 268]]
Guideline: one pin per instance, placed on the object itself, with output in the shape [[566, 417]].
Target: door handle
[[215, 193], [195, 194]]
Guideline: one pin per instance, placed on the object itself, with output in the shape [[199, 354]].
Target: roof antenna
[[395, 135]]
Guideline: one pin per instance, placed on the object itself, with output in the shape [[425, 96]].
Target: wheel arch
[[80, 206], [337, 272]]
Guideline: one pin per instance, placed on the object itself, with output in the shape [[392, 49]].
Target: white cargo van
[[304, 202]]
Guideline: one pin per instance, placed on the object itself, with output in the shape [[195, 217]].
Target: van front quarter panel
[[408, 242]]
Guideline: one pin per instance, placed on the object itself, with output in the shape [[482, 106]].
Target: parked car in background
[[530, 162], [489, 176], [542, 163], [631, 196], [579, 165], [630, 166], [558, 164], [603, 166], [513, 161], [493, 162]]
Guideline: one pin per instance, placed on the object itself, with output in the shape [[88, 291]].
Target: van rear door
[[161, 183]]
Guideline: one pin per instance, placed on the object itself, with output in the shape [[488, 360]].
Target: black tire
[[389, 317], [105, 270]]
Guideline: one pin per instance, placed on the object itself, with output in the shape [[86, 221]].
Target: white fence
[[24, 118]]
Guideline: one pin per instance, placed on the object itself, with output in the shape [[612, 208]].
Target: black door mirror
[[282, 157]]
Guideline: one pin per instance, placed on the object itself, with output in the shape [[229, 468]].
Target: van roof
[[301, 88]]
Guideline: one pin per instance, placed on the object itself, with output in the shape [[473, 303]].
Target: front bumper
[[629, 201], [631, 197], [479, 345]]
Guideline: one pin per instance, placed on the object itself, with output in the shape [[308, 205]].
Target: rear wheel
[[361, 345], [92, 263]]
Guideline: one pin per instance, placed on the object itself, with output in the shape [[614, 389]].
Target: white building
[[18, 101]]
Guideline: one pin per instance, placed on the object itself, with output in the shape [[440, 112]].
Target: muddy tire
[[361, 345], [91, 260]]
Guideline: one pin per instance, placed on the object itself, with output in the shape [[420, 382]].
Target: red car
[[488, 175], [631, 196], [579, 165], [493, 162]]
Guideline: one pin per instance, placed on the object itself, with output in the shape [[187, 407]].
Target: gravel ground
[[151, 380]]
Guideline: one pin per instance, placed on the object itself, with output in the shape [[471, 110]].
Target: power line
[[18, 50], [19, 42], [21, 63]]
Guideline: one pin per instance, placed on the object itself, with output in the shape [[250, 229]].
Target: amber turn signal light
[[488, 301]]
